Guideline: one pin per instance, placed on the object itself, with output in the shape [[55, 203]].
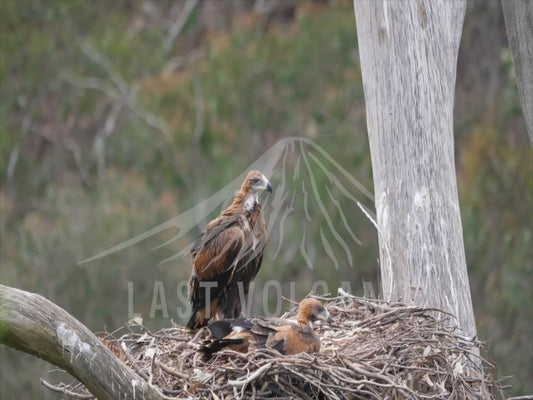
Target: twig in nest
[[171, 371], [254, 376], [65, 391]]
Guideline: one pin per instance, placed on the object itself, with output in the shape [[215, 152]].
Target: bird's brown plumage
[[228, 255], [286, 336]]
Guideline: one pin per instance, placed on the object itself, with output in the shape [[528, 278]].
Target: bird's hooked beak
[[266, 185], [324, 315]]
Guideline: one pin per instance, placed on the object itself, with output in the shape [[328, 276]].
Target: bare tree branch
[[180, 22], [106, 64], [33, 324], [122, 91], [103, 133]]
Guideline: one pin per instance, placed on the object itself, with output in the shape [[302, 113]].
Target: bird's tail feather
[[213, 346], [195, 322]]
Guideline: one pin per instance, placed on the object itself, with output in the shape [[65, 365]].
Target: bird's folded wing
[[219, 254]]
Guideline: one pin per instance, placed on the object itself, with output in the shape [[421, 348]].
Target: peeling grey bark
[[33, 324], [408, 52]]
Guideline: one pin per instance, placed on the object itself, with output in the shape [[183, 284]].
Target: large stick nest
[[374, 350]]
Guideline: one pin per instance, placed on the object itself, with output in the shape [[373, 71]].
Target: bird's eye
[[320, 309], [254, 180]]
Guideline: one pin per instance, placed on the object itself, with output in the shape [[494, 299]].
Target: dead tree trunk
[[408, 53], [518, 16], [31, 323]]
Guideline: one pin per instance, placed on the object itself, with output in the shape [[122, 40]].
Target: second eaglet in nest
[[284, 335]]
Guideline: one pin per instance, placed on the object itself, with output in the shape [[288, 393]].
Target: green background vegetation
[[105, 133]]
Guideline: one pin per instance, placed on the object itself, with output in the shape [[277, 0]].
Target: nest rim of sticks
[[373, 350]]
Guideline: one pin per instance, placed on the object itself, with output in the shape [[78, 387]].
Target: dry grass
[[374, 350]]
